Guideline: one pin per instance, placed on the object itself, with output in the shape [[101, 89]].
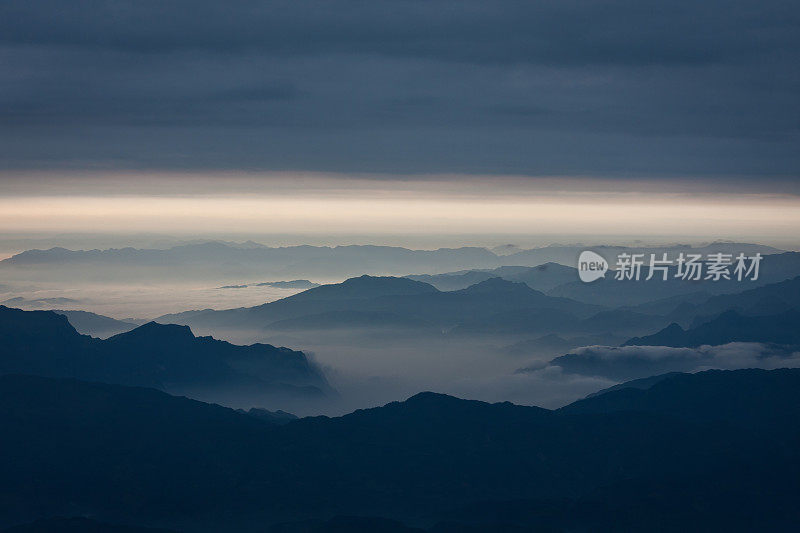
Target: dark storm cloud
[[549, 32], [551, 87]]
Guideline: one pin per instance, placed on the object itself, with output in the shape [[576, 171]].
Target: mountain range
[[716, 449], [541, 277], [96, 325], [229, 261], [234, 262], [385, 302], [369, 316], [730, 326], [616, 293], [167, 357], [495, 307]]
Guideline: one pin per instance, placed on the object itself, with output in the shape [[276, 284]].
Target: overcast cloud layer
[[616, 88]]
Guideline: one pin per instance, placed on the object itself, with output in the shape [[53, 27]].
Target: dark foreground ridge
[[713, 450], [79, 525]]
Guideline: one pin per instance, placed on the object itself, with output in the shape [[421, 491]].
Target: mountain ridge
[[417, 460], [730, 326], [400, 297], [169, 357]]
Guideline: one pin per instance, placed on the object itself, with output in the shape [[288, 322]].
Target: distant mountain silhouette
[[38, 302], [167, 357], [293, 284], [349, 294], [542, 277], [769, 299], [614, 293], [383, 301], [634, 457], [231, 261], [476, 302], [100, 326], [568, 254], [730, 326], [499, 307], [237, 261], [364, 287], [455, 280]]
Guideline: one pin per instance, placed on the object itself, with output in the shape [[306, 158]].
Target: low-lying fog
[[140, 301], [368, 368]]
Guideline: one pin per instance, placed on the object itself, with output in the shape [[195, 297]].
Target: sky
[[401, 116], [491, 209]]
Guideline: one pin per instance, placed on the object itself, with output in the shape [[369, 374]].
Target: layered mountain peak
[[431, 398], [165, 356], [367, 287], [367, 282], [16, 323], [157, 333], [729, 326], [494, 285]]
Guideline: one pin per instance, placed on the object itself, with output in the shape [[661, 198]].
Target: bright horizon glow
[[744, 216], [306, 203]]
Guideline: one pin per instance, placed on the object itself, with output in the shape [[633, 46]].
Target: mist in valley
[[531, 335]]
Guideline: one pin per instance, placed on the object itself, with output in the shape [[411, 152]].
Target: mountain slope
[[400, 300], [98, 447], [232, 261], [608, 291], [351, 294], [541, 277], [769, 299], [95, 325], [125, 452], [168, 357], [568, 254], [730, 326], [755, 400]]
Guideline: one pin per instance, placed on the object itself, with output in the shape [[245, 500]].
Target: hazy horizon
[[442, 212]]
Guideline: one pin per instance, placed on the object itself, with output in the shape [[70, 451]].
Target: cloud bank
[[633, 362], [615, 87]]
